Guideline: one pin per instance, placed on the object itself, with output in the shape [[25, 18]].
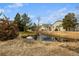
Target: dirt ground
[[20, 47]]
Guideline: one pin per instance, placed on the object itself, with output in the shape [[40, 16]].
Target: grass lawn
[[27, 33]]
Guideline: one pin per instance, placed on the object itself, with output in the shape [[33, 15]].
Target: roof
[[46, 25], [57, 21]]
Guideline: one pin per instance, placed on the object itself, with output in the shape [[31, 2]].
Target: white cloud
[[31, 16], [2, 10], [62, 9], [58, 13], [15, 5], [54, 15]]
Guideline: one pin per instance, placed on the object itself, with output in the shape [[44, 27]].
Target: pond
[[43, 37]]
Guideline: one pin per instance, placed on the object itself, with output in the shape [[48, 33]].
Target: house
[[45, 27], [77, 27], [57, 26], [42, 28], [1, 21]]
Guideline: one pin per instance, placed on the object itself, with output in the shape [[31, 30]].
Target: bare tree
[[38, 18]]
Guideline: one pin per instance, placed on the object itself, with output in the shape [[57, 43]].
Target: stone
[[30, 39]]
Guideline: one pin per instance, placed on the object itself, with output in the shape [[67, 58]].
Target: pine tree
[[17, 19], [69, 22], [25, 22]]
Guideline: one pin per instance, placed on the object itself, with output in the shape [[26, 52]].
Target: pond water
[[46, 38], [49, 38]]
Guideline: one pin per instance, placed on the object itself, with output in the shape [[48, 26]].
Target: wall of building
[[57, 25]]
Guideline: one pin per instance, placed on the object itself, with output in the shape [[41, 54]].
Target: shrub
[[8, 30]]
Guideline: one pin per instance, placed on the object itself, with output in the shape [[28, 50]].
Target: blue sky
[[48, 12]]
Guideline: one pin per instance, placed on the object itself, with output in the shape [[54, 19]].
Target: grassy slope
[[19, 46]]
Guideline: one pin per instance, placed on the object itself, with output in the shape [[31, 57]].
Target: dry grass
[[19, 47], [64, 34]]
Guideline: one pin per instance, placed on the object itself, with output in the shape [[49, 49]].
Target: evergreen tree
[[17, 19], [69, 22], [25, 22], [34, 27]]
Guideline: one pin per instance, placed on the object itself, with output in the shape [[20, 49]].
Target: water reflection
[[45, 38]]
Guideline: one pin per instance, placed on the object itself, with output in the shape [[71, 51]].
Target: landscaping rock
[[30, 39]]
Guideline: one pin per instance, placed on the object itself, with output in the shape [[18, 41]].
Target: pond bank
[[72, 36]]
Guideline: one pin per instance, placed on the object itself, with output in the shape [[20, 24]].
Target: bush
[[8, 30]]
